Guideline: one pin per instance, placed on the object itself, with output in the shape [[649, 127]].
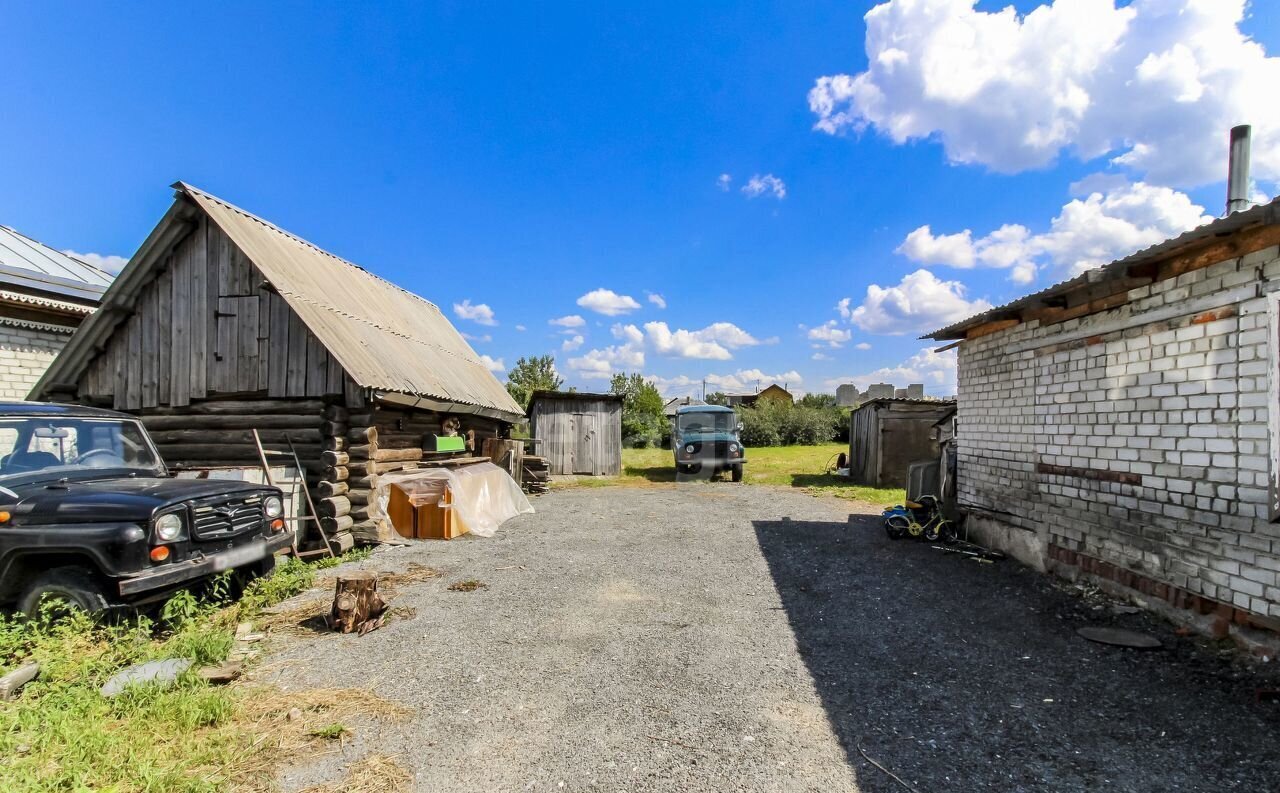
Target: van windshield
[[707, 422], [73, 446]]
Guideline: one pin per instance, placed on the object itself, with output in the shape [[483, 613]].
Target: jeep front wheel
[[62, 592]]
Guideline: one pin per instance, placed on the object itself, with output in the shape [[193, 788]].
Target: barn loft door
[[584, 453], [234, 365]]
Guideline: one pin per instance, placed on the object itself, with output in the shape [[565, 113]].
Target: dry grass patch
[[376, 773]]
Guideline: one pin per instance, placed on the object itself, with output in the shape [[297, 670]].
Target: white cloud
[[493, 364], [604, 363], [862, 345], [571, 321], [843, 309], [1154, 85], [920, 302], [742, 381], [521, 328], [713, 342], [608, 302], [768, 185], [657, 299], [482, 339], [831, 334], [480, 313], [820, 356], [572, 344], [937, 370], [108, 263], [1087, 233], [723, 181], [627, 333]]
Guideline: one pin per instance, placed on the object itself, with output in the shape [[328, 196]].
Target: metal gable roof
[[385, 337], [29, 264]]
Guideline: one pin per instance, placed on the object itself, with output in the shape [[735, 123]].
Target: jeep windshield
[[708, 422], [57, 447]]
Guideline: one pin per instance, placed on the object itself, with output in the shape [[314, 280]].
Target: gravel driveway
[[694, 638]]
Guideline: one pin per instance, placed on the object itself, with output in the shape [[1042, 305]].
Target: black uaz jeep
[[90, 517]]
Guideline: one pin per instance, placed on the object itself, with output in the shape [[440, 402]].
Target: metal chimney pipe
[[1238, 170]]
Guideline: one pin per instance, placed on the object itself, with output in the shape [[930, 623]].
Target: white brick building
[[44, 295], [1125, 424]]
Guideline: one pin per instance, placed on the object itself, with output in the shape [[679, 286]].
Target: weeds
[[62, 734], [330, 731], [470, 585]]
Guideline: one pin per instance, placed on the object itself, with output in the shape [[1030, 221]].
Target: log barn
[[578, 433], [223, 323]]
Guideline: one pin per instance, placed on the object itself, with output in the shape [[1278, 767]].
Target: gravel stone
[[713, 636]]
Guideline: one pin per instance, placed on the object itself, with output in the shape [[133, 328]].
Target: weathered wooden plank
[[296, 365], [149, 307], [264, 338], [164, 322], [259, 407], [214, 250], [133, 365], [198, 309], [278, 346], [317, 366], [299, 437], [180, 348], [281, 421], [247, 365]]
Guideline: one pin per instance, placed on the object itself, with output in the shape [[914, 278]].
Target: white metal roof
[[29, 264]]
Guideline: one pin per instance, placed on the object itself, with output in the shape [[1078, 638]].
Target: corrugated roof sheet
[[1263, 213], [384, 336], [29, 264]]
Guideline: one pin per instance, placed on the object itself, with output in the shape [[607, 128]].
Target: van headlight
[[169, 527], [688, 449], [733, 448], [272, 507]]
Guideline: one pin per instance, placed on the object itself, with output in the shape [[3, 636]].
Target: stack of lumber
[[535, 474]]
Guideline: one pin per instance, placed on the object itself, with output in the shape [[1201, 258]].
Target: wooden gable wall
[[209, 326]]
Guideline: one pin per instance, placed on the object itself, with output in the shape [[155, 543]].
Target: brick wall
[[1143, 444], [24, 355]]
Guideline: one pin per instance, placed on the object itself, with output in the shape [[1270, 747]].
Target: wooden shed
[[222, 323], [887, 435], [578, 433]]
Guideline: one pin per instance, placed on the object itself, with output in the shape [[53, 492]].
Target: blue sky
[[522, 156]]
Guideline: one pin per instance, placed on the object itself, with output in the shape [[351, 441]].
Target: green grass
[[62, 734], [804, 467]]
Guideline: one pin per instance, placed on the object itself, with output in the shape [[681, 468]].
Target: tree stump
[[357, 606]]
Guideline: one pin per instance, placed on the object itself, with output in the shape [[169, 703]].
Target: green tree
[[718, 398], [642, 417], [533, 374], [817, 401]]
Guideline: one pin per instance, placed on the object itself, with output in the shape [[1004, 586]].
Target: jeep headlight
[[733, 448], [272, 507], [169, 527], [688, 449]]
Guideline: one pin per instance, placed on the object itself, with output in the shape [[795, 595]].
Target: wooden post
[[357, 606]]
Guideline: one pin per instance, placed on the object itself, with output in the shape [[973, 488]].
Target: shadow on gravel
[[964, 676]]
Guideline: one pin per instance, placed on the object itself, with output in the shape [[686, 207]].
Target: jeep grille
[[219, 517]]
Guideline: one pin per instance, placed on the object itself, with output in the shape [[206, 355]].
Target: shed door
[[584, 452]]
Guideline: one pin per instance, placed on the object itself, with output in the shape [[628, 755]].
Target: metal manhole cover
[[1120, 637]]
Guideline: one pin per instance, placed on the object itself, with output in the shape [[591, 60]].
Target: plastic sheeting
[[483, 495]]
